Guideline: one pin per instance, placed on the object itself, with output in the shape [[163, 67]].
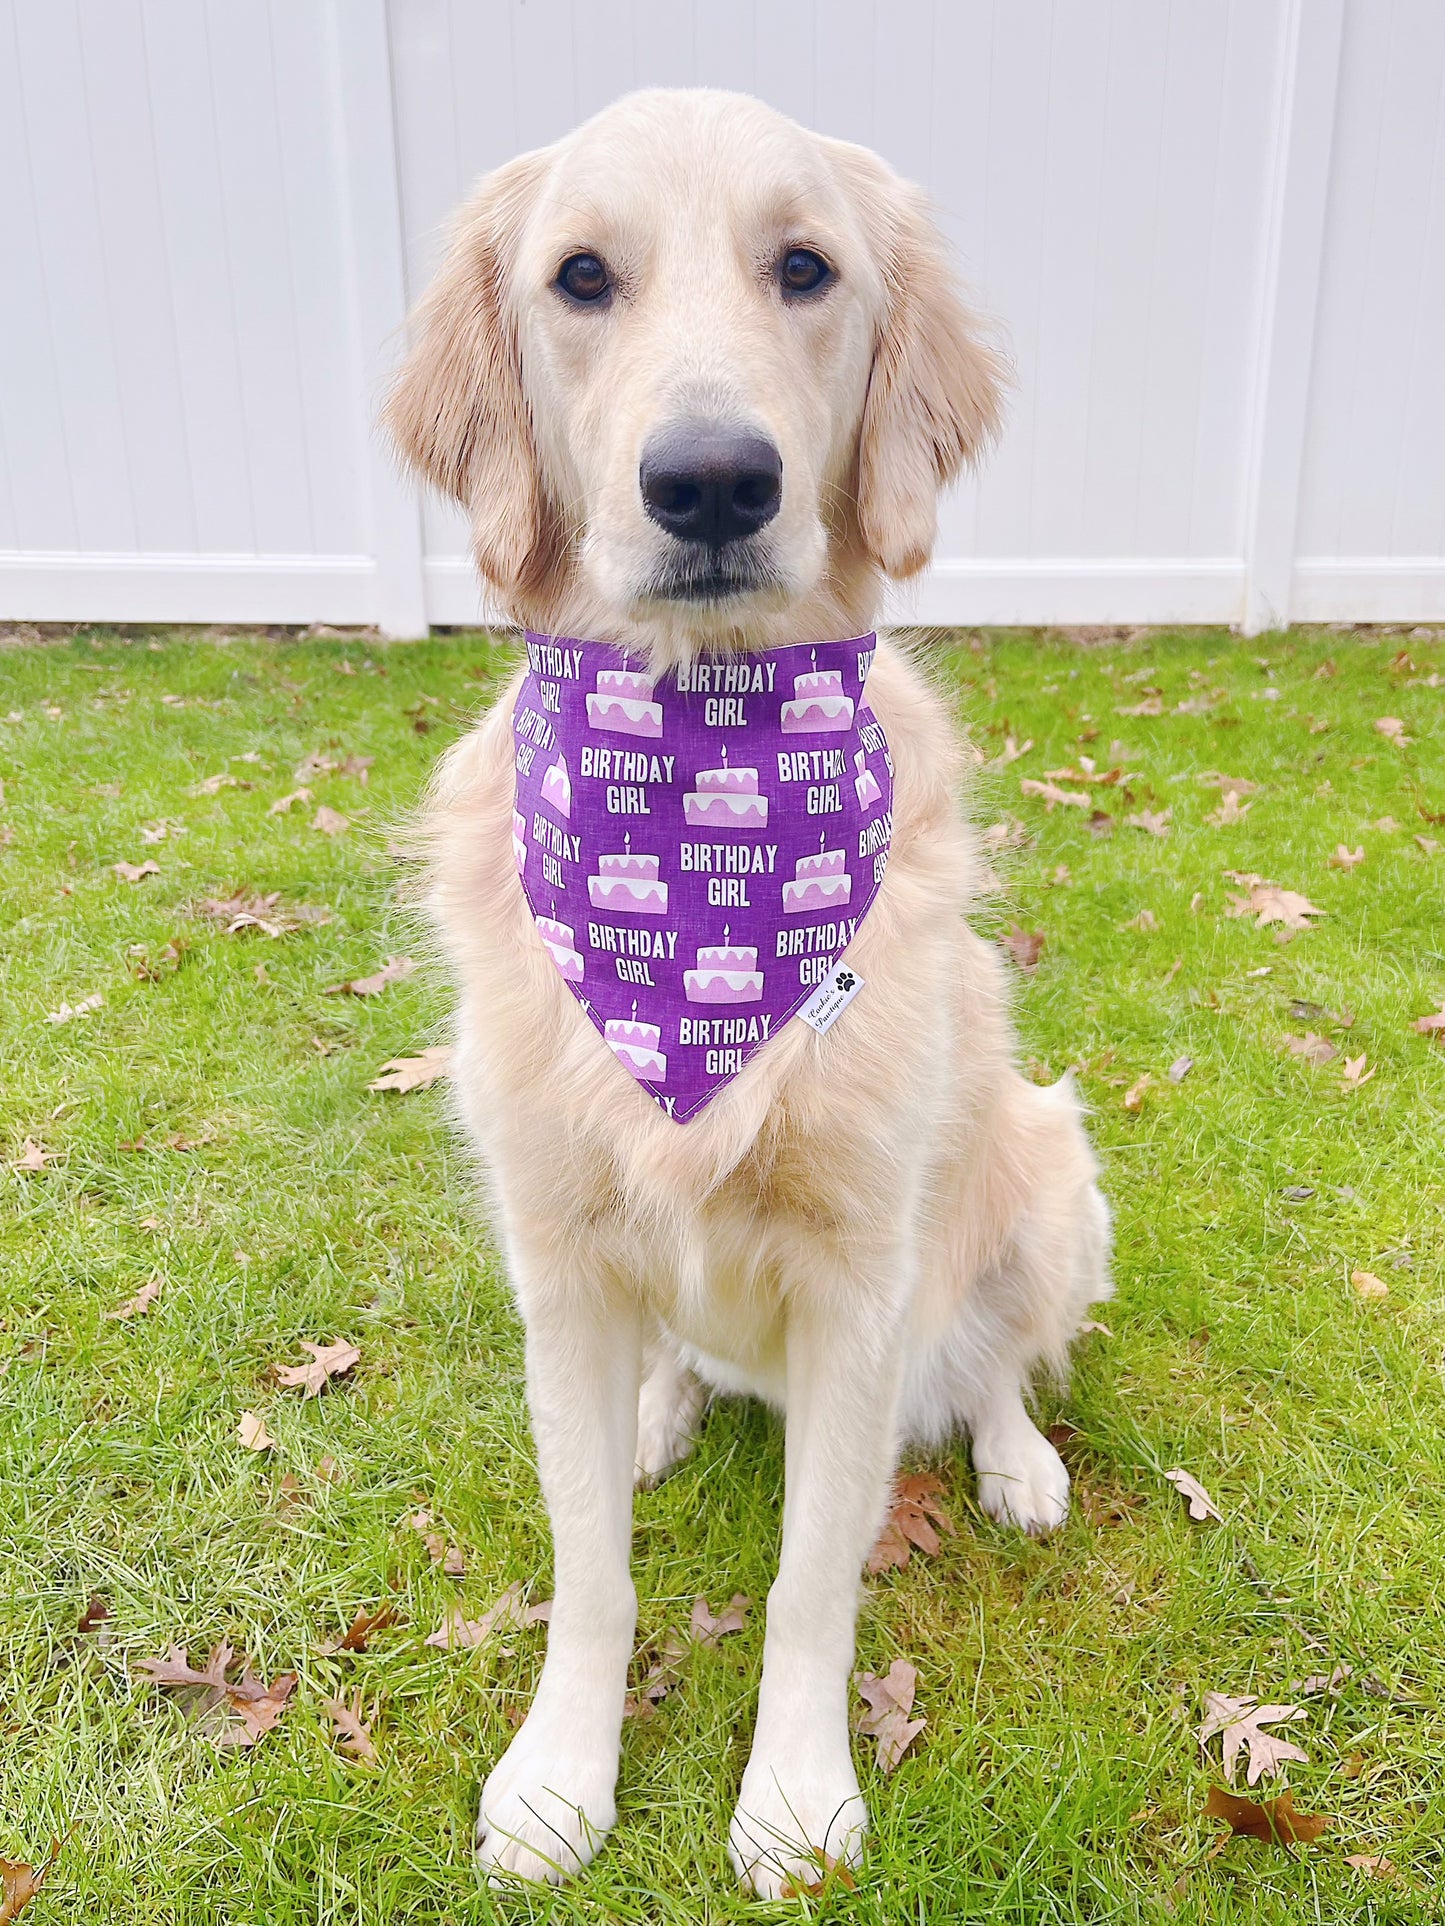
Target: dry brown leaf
[[1024, 946], [1134, 1095], [283, 804], [915, 1518], [449, 1557], [1152, 705], [1240, 1723], [1373, 1863], [1392, 729], [1355, 1072], [32, 1157], [351, 1733], [1154, 822], [1312, 1047], [1425, 1026], [96, 1613], [1089, 772], [1180, 1068], [1008, 834], [392, 971], [833, 1872], [362, 1628], [1230, 811], [661, 1666], [330, 821], [710, 1628], [457, 1631], [257, 1708], [213, 785], [1012, 750], [1427, 845], [1145, 920], [1050, 794], [1346, 858], [328, 1361], [174, 1667], [1268, 903], [67, 1011], [252, 1433], [889, 1700], [136, 872], [1201, 1505], [1368, 1285], [138, 1305], [415, 1073], [1275, 1821], [1215, 779], [1091, 1327], [20, 1882]]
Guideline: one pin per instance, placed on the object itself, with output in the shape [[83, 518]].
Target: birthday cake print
[[628, 883], [623, 704], [819, 882], [557, 787], [820, 705], [725, 799], [865, 782], [725, 973], [635, 1045], [561, 944], [697, 848]]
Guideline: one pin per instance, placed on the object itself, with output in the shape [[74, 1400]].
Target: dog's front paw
[[1024, 1484], [799, 1812], [546, 1807]]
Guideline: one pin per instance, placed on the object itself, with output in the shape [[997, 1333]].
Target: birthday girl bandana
[[698, 848]]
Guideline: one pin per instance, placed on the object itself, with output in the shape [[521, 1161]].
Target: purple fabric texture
[[697, 848]]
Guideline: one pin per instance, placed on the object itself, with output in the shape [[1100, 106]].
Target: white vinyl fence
[[1214, 230]]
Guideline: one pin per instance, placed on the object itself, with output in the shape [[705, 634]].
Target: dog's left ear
[[935, 393]]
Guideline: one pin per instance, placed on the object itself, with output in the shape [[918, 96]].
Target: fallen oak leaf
[[1154, 822], [1424, 1026], [136, 872], [138, 1305], [415, 1073], [1312, 1047], [834, 1872], [252, 1433], [392, 971], [96, 1613], [1276, 1821], [449, 1557], [1201, 1505], [1180, 1068], [1134, 1095], [67, 1011], [257, 1708], [1268, 903], [32, 1157], [1373, 1863], [1393, 730], [1050, 794], [283, 804], [457, 1631], [330, 821], [1366, 1284], [328, 1361], [1230, 811], [351, 1732], [915, 1518], [1345, 858], [362, 1629], [1024, 946], [20, 1882], [1239, 1723], [710, 1628], [174, 1669], [1355, 1072], [890, 1701]]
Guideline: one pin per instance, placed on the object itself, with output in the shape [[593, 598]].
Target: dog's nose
[[711, 485]]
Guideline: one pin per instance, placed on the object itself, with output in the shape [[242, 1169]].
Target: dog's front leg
[[800, 1806], [550, 1801]]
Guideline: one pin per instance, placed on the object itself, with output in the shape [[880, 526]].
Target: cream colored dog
[[886, 1230]]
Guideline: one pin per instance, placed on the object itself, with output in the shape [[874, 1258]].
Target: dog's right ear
[[457, 410]]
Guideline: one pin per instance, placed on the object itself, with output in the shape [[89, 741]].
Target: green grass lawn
[[209, 1125]]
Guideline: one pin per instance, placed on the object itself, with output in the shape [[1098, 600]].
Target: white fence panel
[[1214, 231]]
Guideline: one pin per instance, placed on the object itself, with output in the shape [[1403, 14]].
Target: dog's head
[[698, 355]]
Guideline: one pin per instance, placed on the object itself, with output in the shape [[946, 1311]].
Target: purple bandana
[[698, 848]]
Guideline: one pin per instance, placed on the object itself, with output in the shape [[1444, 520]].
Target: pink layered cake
[[635, 1044], [822, 882], [557, 788], [725, 799], [819, 704], [562, 948], [865, 782], [724, 974], [623, 704], [519, 840], [628, 883]]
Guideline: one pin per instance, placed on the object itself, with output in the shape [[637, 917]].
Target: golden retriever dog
[[886, 1231]]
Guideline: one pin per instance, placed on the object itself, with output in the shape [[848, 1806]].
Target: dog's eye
[[582, 277], [801, 271]]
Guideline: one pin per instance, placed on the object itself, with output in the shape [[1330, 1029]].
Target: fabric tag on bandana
[[699, 848], [831, 998]]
